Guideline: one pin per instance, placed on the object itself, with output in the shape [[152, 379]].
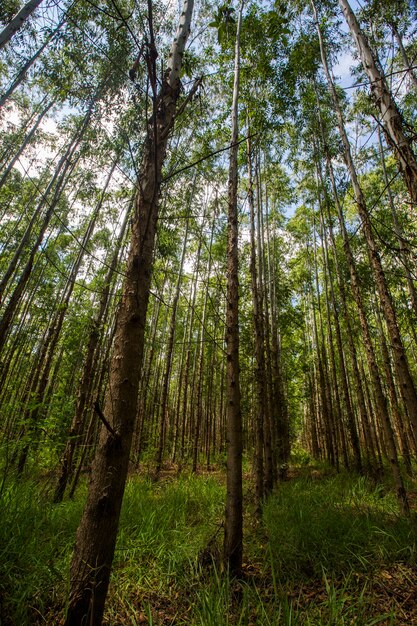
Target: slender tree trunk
[[403, 53], [342, 364], [200, 362], [404, 376], [333, 374], [259, 346], [64, 170], [271, 411], [96, 536], [26, 67], [28, 138], [390, 115], [398, 231], [395, 409], [365, 420], [17, 21], [170, 349], [189, 343], [33, 417], [233, 537]]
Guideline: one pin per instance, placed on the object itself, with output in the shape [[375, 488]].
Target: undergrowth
[[323, 554]]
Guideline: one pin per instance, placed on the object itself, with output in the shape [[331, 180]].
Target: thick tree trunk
[[233, 537], [96, 536]]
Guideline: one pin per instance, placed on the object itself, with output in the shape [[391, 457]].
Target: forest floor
[[330, 549]]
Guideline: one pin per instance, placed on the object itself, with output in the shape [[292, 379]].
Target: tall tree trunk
[[342, 364], [26, 67], [398, 421], [390, 115], [190, 340], [403, 52], [259, 346], [170, 350], [97, 532], [200, 361], [33, 417], [25, 142], [271, 410], [233, 536], [398, 231], [17, 21], [61, 176]]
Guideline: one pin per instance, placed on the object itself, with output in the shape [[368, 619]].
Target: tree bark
[[259, 347], [403, 53], [170, 349], [233, 536]]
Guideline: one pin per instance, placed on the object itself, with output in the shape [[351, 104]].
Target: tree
[[17, 21], [233, 536], [96, 535]]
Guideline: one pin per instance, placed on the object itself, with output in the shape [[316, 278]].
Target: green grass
[[337, 525], [35, 545], [315, 559]]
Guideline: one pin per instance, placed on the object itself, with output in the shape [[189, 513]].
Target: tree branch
[[207, 156], [103, 419]]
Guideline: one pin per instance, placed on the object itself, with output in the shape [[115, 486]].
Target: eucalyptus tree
[[90, 367], [17, 21], [260, 372], [391, 118], [398, 16], [96, 536], [233, 536], [401, 362]]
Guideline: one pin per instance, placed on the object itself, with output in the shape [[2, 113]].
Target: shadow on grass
[[338, 525]]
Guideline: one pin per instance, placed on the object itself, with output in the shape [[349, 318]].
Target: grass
[[337, 525], [331, 551], [35, 545]]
